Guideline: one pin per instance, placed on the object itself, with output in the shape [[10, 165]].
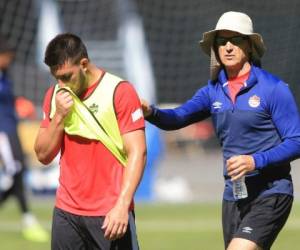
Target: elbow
[[45, 161], [43, 157]]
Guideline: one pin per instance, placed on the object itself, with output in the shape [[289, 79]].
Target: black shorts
[[75, 232], [259, 220]]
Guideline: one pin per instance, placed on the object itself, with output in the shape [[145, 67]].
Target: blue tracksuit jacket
[[8, 118], [263, 122]]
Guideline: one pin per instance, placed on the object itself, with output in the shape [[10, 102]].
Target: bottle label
[[240, 189]]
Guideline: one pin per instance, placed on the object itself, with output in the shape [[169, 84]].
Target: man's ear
[[84, 63]]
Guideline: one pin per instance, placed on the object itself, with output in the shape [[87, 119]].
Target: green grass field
[[160, 227]]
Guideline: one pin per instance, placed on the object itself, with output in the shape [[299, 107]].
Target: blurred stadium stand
[[172, 31]]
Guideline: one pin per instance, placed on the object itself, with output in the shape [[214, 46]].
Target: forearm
[[116, 220], [285, 116], [49, 140], [132, 176], [284, 152], [193, 110], [165, 119], [172, 119]]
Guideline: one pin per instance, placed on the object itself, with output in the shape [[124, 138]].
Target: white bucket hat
[[238, 22]]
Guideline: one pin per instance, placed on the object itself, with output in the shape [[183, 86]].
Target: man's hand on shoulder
[[147, 110]]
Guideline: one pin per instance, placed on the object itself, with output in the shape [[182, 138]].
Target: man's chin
[[78, 92], [232, 65], [75, 91]]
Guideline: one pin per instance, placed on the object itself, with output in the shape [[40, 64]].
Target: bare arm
[[48, 141], [116, 221]]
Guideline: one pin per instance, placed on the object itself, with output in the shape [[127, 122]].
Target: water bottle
[[239, 188]]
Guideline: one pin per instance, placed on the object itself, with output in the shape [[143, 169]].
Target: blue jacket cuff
[[259, 161]]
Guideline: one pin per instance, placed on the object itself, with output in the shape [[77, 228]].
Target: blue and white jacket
[[263, 122]]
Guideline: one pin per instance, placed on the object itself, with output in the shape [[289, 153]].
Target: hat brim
[[257, 42]]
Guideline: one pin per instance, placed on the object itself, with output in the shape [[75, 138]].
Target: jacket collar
[[252, 80]]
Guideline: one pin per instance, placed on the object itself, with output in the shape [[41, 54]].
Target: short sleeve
[[128, 108], [47, 108]]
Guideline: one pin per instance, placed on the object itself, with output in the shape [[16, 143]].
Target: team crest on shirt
[[94, 108], [254, 101]]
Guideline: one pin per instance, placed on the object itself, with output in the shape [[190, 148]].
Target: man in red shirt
[[94, 200]]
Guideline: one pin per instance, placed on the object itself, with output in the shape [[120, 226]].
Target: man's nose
[[229, 46]]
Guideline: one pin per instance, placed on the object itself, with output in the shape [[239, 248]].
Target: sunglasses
[[235, 40]]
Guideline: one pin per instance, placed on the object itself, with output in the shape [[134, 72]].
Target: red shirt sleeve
[[47, 107], [128, 108]]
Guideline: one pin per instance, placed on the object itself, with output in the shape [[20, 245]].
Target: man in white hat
[[258, 125]]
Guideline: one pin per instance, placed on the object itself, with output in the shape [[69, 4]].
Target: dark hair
[[64, 47]]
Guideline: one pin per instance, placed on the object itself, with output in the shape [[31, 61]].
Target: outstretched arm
[[194, 110]]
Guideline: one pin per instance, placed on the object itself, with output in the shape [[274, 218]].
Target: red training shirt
[[90, 176], [235, 84]]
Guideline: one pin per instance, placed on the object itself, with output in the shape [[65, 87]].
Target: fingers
[[232, 165], [147, 110], [114, 229], [64, 102], [237, 166], [238, 175], [105, 223], [144, 103], [64, 97], [122, 230]]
